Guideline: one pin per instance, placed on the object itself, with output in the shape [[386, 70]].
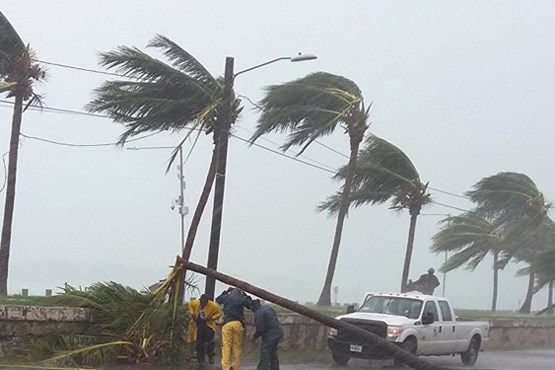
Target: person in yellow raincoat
[[202, 326]]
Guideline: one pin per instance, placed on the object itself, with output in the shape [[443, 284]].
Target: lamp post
[[446, 253], [221, 134]]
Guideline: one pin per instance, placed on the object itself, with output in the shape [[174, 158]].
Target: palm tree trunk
[[325, 295], [10, 195], [495, 281], [527, 305], [410, 246], [199, 210], [366, 336]]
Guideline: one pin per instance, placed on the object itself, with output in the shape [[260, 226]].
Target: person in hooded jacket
[[269, 329], [234, 301]]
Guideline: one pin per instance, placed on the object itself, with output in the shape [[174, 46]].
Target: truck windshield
[[398, 306]]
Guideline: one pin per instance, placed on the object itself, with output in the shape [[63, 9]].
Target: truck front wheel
[[469, 357], [341, 358], [410, 345]]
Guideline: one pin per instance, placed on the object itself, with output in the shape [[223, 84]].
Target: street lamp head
[[302, 57]]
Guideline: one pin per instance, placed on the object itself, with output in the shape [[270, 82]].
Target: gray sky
[[466, 89]]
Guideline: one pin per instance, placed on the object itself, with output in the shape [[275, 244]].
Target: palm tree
[[19, 72], [514, 200], [157, 96], [472, 237], [545, 265], [309, 108], [384, 172]]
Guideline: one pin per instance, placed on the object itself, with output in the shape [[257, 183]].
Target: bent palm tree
[[384, 172], [18, 74], [181, 95], [472, 237], [309, 108], [514, 200]]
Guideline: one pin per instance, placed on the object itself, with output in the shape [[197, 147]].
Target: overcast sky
[[465, 88]]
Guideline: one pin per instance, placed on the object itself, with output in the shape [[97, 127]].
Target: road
[[498, 360]]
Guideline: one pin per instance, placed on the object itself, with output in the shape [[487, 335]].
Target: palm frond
[[508, 195], [11, 44], [383, 172], [308, 108], [186, 62], [159, 97]]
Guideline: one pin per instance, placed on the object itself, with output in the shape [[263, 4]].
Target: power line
[[449, 206], [319, 166], [82, 69], [284, 155], [5, 171], [9, 104], [449, 193], [289, 150], [83, 145]]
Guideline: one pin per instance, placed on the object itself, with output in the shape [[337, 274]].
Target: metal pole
[[222, 139], [181, 198], [445, 273]]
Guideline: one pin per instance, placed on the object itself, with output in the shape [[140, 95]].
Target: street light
[[221, 134]]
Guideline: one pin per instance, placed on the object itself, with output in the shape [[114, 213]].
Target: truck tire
[[469, 357], [341, 358], [409, 345]]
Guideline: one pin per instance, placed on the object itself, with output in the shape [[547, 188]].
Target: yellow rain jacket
[[212, 313]]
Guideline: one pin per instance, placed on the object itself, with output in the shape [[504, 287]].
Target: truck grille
[[376, 327]]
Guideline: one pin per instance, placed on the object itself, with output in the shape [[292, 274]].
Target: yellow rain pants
[[232, 344]]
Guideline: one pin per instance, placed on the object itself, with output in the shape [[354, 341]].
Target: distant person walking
[[268, 328], [202, 327], [426, 283], [234, 301]]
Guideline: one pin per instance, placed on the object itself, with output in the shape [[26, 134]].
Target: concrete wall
[[18, 323]]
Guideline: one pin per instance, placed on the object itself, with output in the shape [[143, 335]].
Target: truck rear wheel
[[469, 357], [409, 345], [340, 358]]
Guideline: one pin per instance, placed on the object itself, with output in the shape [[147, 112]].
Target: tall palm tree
[[309, 108], [545, 264], [158, 96], [384, 172], [472, 237], [514, 199], [19, 72]]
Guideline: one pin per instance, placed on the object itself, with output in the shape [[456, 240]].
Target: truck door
[[430, 340], [448, 333]]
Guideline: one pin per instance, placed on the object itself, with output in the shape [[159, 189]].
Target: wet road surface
[[498, 360]]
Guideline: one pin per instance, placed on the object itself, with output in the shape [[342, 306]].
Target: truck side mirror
[[350, 308], [427, 318]]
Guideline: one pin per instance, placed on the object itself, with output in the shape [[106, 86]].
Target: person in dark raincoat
[[268, 328], [234, 301]]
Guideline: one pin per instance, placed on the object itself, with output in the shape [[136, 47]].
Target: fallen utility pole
[[370, 338]]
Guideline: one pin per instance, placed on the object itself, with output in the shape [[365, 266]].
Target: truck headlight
[[394, 331], [333, 332]]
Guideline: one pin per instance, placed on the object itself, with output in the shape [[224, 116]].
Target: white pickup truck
[[421, 324]]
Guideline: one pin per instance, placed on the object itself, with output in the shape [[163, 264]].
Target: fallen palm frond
[[126, 324]]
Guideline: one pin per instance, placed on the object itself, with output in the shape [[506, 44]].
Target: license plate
[[356, 348]]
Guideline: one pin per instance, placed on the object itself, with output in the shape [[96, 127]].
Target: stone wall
[[18, 323], [524, 333]]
